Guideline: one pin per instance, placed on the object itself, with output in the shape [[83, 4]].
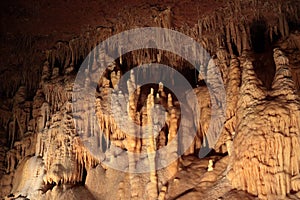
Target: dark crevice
[[265, 68], [264, 65], [234, 48], [258, 30], [185, 68], [294, 26], [84, 175]]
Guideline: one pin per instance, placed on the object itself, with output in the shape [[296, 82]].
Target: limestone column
[[151, 147]]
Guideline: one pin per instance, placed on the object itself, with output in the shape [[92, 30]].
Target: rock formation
[[51, 147]]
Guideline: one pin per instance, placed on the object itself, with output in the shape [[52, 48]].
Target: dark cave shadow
[[264, 65]]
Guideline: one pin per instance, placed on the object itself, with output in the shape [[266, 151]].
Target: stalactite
[[239, 42], [46, 71], [245, 38], [228, 39]]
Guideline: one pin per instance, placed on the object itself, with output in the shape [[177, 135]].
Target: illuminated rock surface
[[46, 154]]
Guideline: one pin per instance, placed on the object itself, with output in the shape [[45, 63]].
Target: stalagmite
[[210, 166], [251, 148], [172, 122], [162, 193], [170, 101], [232, 95], [229, 146], [131, 85], [114, 79], [283, 84], [151, 147], [161, 90]]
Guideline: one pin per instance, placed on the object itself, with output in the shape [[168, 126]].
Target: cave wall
[[261, 129]]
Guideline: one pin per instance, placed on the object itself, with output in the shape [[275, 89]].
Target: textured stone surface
[[43, 156]]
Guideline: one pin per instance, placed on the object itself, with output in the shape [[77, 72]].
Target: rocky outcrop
[[264, 160]]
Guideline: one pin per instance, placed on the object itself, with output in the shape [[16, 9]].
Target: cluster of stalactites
[[230, 24], [65, 156], [20, 128], [45, 128], [234, 32]]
